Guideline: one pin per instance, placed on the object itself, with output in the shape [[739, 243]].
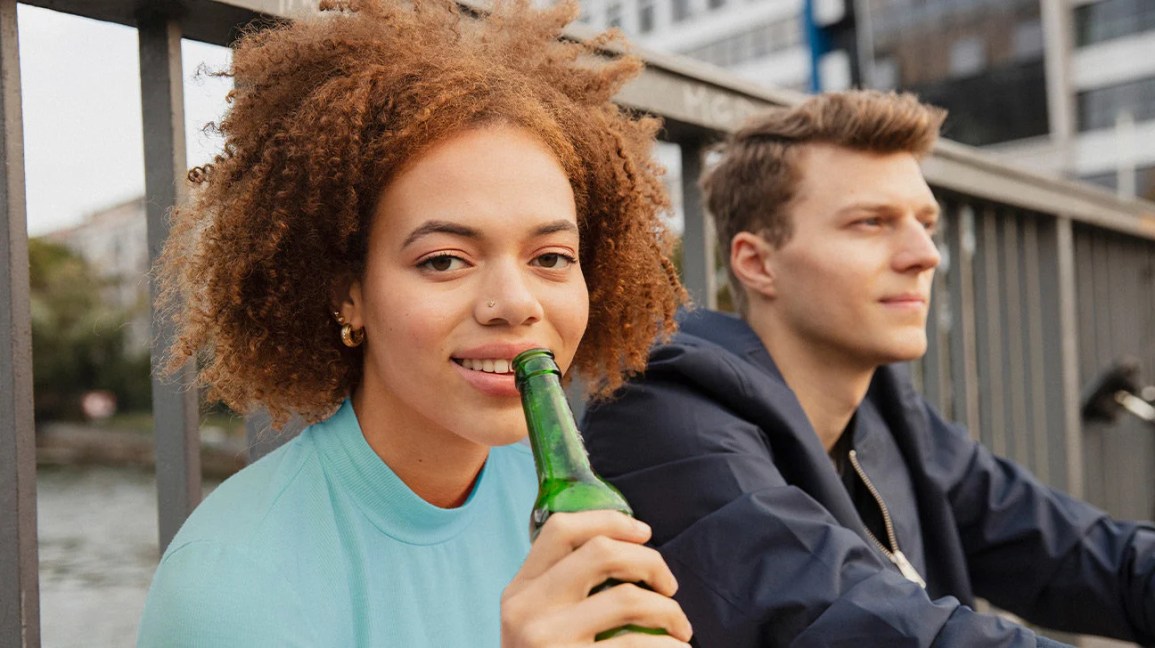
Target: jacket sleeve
[[758, 561], [1041, 554]]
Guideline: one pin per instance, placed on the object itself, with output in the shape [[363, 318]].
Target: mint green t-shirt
[[321, 544]]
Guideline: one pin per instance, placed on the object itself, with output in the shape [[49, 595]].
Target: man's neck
[[830, 389]]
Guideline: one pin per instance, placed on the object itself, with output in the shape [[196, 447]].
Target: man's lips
[[904, 299]]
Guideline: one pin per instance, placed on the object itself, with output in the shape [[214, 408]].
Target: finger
[[628, 604], [565, 532], [603, 558], [637, 640]]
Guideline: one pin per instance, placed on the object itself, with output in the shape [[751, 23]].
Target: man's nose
[[917, 250]]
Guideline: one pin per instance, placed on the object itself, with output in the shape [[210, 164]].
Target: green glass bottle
[[566, 483]]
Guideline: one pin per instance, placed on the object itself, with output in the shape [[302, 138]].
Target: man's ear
[[348, 303], [751, 261]]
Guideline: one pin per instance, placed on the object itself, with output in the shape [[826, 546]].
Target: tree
[[78, 339]]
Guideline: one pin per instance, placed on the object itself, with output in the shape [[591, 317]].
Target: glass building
[[1058, 86]]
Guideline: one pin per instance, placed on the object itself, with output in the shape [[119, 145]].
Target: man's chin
[[907, 351]]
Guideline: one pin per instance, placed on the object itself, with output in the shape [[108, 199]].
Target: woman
[[408, 197]]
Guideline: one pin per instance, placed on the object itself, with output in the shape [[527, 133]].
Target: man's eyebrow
[[872, 206], [440, 227]]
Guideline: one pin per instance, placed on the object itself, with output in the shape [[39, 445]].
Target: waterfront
[[98, 548]]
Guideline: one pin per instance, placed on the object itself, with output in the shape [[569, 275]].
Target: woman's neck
[[437, 465]]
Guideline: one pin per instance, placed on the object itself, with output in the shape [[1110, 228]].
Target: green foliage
[[78, 341]]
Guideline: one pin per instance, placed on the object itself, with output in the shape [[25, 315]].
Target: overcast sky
[[82, 125]]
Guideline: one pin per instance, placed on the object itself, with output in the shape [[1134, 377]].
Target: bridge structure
[[1044, 284]]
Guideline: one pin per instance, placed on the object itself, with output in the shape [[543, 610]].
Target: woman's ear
[[751, 261], [348, 303]]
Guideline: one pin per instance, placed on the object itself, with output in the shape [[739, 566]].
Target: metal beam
[[1058, 44], [174, 401], [19, 563], [699, 240], [960, 168]]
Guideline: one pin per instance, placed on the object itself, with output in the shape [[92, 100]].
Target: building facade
[[1058, 86]]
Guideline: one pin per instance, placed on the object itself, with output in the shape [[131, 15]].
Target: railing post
[[19, 562], [1061, 289], [699, 240], [174, 400], [964, 347]]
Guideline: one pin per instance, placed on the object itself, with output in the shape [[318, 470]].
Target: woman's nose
[[507, 297]]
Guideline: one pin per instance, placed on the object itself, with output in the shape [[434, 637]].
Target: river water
[[98, 548]]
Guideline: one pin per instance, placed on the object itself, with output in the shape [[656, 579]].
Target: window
[[1099, 108], [967, 56], [885, 73], [751, 44], [1102, 21], [1143, 181], [614, 14], [1004, 103], [646, 16], [681, 10], [1028, 41]]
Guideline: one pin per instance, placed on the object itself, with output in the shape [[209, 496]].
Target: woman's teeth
[[488, 365]]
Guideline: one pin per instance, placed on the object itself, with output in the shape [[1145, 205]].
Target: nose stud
[[490, 303]]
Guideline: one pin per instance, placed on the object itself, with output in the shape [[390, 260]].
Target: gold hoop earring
[[350, 337]]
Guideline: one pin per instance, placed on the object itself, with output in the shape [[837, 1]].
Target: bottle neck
[[558, 452]]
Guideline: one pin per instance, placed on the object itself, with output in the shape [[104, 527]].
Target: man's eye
[[442, 263], [554, 260]]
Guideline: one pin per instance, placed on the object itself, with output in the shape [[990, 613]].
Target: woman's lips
[[487, 382], [488, 365]]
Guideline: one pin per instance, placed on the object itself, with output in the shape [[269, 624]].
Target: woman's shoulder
[[238, 509]]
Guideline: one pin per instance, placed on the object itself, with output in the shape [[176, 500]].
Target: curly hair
[[324, 112], [752, 185]]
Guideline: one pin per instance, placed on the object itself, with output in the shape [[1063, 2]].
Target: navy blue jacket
[[713, 450]]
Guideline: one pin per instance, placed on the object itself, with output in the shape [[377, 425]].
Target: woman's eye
[[554, 260], [442, 263]]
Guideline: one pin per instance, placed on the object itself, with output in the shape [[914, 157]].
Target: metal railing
[[1044, 283]]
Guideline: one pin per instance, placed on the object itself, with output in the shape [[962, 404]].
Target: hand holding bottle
[[548, 602], [578, 583]]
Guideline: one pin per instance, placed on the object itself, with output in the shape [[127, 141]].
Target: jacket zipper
[[893, 553]]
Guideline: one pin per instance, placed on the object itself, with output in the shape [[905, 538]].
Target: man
[[800, 490]]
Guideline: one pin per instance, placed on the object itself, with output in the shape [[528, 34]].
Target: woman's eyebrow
[[440, 227], [559, 225], [457, 229]]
